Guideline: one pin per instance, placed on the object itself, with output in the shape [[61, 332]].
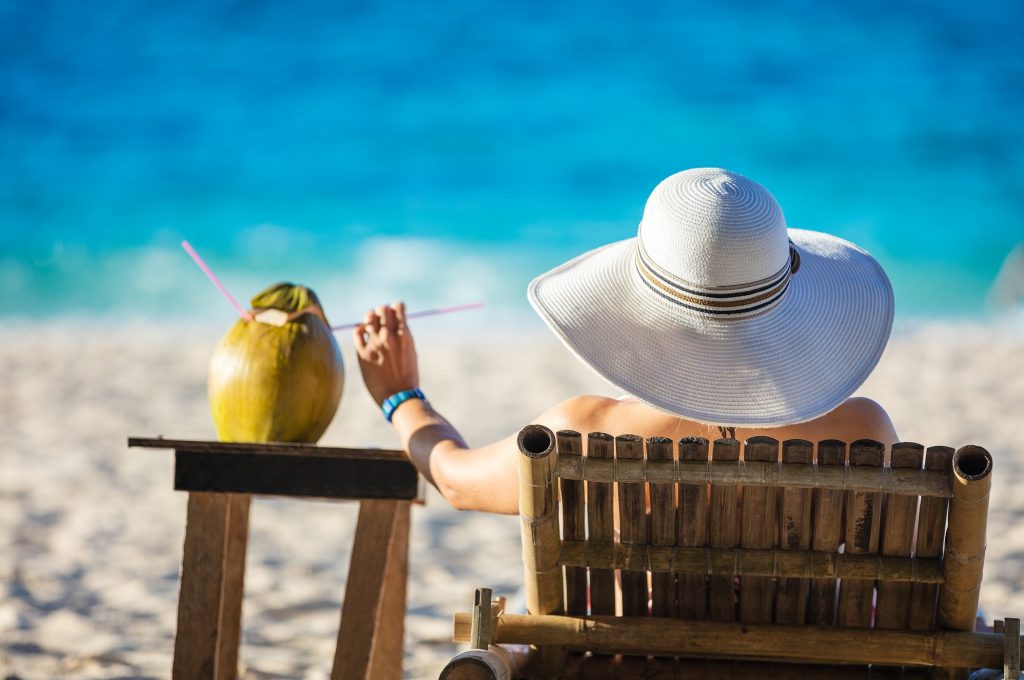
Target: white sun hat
[[718, 313]]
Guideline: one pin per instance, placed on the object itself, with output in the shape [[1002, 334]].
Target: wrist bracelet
[[399, 398]]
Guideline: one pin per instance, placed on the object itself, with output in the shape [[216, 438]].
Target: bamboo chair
[[757, 559], [221, 478]]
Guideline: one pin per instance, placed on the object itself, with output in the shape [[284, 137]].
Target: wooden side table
[[221, 478]]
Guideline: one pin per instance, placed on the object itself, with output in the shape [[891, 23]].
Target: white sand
[[91, 532]]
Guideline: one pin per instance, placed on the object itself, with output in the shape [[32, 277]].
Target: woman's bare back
[[857, 418]]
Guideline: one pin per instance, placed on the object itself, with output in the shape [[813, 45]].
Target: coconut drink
[[277, 381]]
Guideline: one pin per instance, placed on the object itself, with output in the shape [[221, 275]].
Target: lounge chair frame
[[720, 559]]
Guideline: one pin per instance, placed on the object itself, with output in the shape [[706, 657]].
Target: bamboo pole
[[783, 642], [661, 668], [1011, 648], [857, 479], [538, 522], [892, 609], [482, 633], [600, 522], [827, 512], [794, 533], [757, 530], [744, 562], [931, 532], [663, 528], [633, 529], [965, 539], [723, 532], [693, 529], [570, 447], [863, 515]]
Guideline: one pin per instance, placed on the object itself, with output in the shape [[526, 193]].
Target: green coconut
[[277, 383]]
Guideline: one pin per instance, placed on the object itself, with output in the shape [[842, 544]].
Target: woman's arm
[[484, 478]]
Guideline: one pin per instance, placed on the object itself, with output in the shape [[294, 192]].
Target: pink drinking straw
[[213, 278], [419, 315]]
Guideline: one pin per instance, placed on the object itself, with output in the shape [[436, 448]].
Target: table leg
[[370, 637], [202, 578], [234, 582]]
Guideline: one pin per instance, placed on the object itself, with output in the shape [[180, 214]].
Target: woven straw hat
[[717, 312]]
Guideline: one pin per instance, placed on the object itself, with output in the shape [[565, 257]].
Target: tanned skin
[[486, 477]]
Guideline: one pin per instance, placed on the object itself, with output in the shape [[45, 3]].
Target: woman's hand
[[387, 354]]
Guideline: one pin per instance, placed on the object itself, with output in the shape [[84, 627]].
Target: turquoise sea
[[448, 151]]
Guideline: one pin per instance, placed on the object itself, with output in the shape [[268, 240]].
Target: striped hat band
[[739, 300]]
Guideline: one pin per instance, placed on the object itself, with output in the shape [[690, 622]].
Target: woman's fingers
[[390, 320], [399, 308], [373, 321], [359, 338]]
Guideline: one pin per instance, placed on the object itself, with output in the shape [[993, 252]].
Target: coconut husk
[[271, 383]]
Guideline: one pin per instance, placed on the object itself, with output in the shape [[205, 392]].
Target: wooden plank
[[892, 607], [757, 530], [795, 534], [692, 530], [663, 528], [373, 613], [389, 639], [290, 475], [723, 532], [274, 448], [911, 482], [775, 641], [863, 517], [633, 529], [202, 581], [601, 524], [826, 532], [931, 533], [570, 446], [234, 586]]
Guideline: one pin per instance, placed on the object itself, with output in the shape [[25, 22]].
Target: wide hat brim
[[792, 363]]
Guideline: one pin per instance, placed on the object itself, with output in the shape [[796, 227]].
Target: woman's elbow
[[454, 496]]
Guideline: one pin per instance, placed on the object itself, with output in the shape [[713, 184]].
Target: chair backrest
[[756, 532]]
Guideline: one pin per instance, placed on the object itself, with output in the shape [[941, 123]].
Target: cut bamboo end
[[972, 464], [479, 664], [481, 635], [536, 441]]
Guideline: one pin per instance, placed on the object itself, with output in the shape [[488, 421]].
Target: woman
[[715, 316]]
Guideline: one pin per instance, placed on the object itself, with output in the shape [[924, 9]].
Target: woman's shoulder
[[584, 412], [861, 408], [859, 418]]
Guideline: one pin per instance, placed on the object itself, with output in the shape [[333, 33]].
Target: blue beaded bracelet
[[399, 398]]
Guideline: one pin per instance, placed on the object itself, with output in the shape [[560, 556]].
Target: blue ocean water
[[449, 151]]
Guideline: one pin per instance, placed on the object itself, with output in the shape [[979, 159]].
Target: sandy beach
[[91, 532]]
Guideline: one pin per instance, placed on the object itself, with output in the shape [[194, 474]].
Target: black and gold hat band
[[725, 300]]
